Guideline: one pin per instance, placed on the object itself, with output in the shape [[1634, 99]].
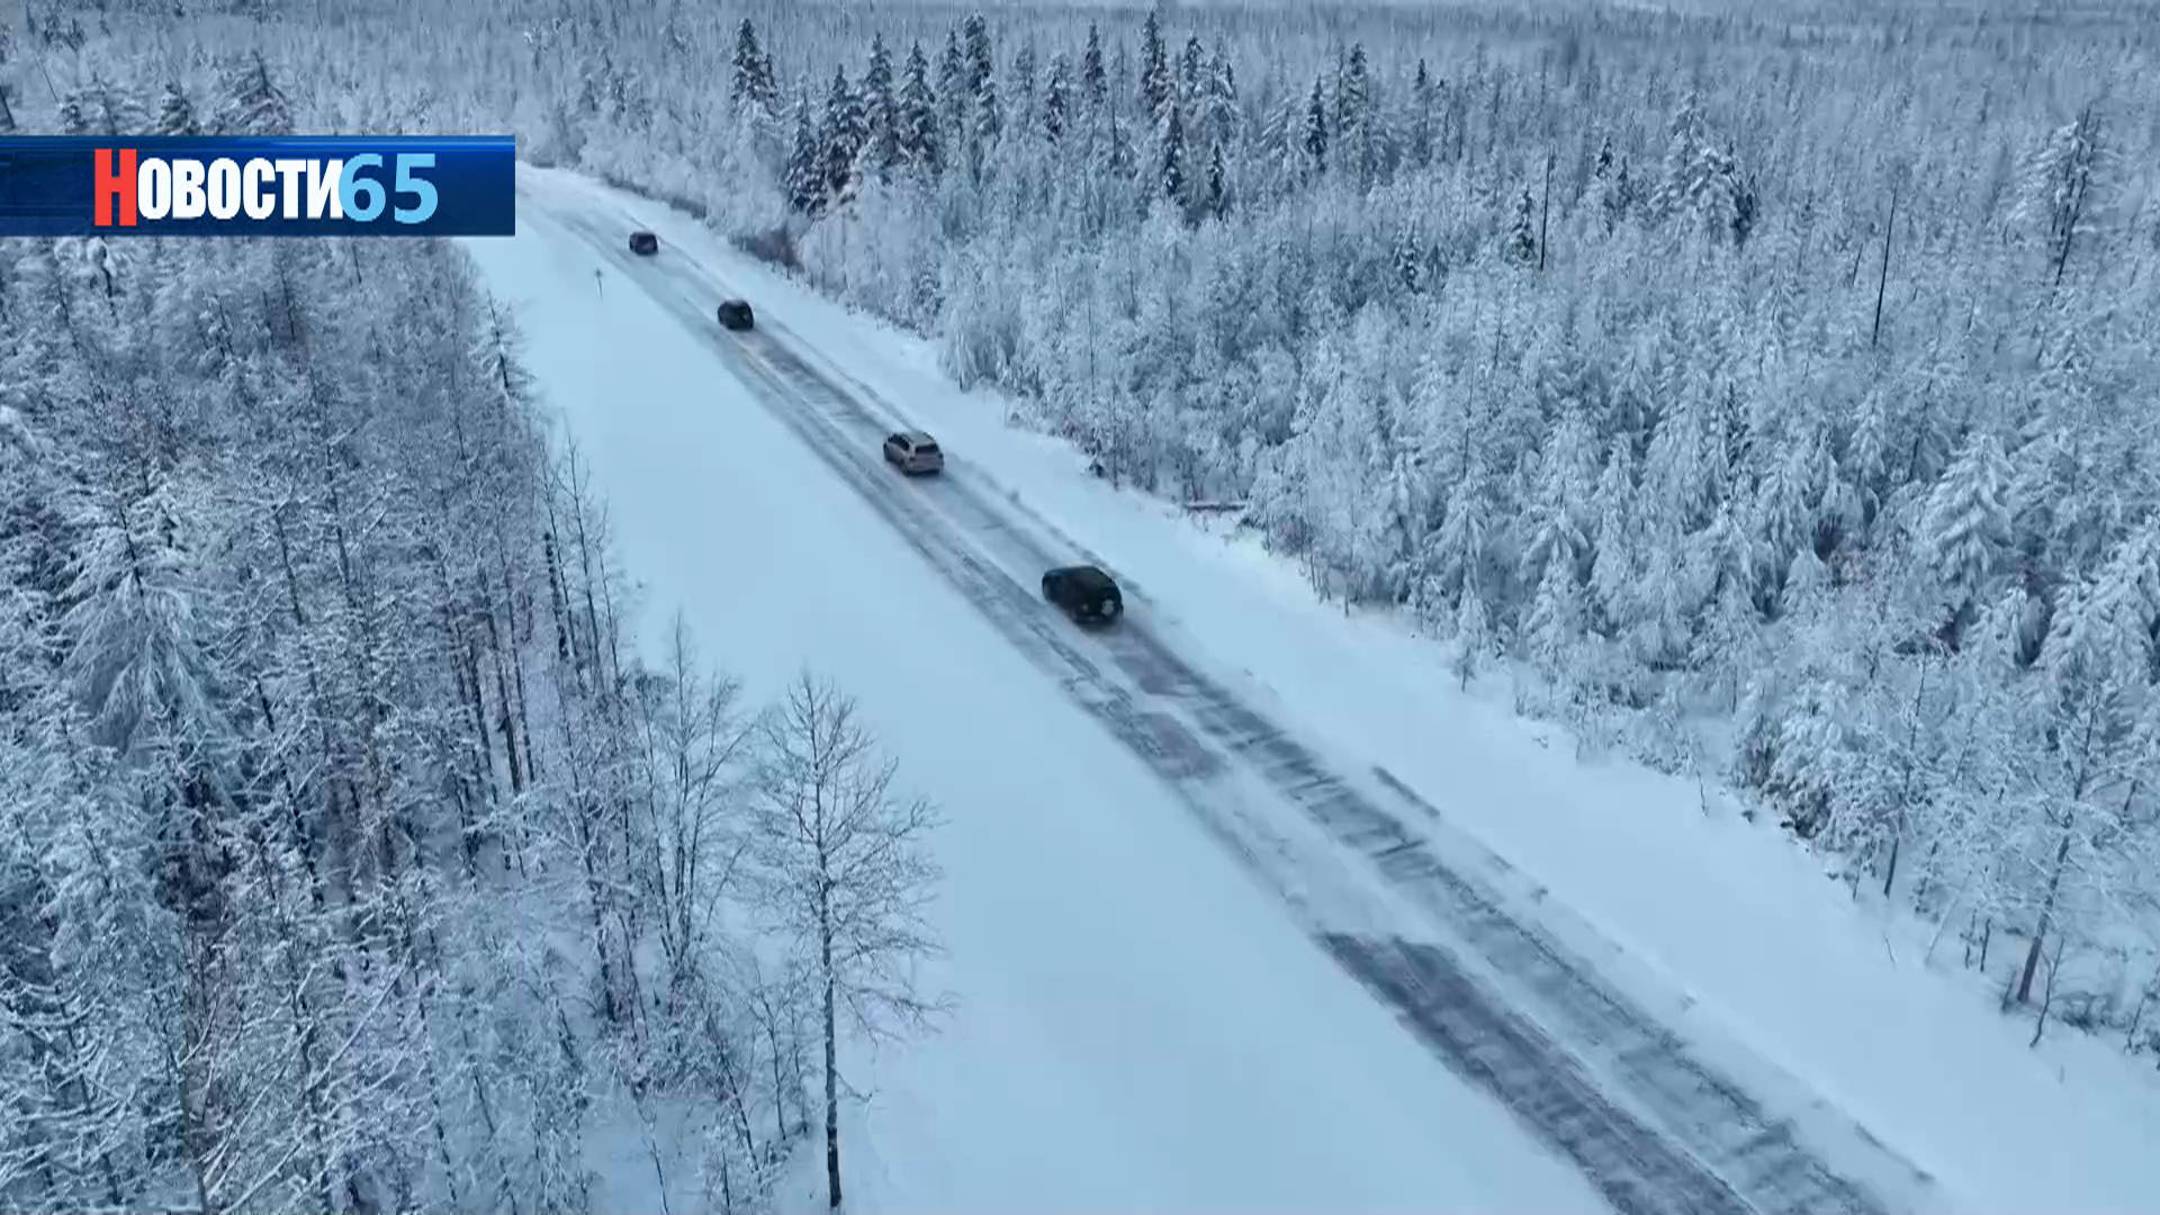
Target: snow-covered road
[[1139, 1026], [1203, 961], [1237, 771]]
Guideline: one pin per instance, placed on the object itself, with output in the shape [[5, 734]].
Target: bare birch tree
[[845, 875]]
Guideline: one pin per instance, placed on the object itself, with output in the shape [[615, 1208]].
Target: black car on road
[[735, 314], [1084, 593], [644, 244]]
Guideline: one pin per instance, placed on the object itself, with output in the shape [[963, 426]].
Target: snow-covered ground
[[1140, 1025]]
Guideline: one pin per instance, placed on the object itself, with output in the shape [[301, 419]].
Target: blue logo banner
[[276, 185]]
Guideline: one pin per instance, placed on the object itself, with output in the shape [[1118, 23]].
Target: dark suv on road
[[735, 314], [1083, 593], [644, 244]]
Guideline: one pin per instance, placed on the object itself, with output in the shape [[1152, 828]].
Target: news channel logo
[[306, 185]]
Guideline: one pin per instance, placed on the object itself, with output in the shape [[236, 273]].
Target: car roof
[[916, 437], [1087, 574]]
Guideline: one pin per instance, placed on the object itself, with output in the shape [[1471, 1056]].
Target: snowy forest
[[1772, 396], [351, 858], [1776, 393]]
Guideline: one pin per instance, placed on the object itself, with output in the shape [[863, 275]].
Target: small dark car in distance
[[912, 451], [644, 244], [735, 314], [1083, 593]]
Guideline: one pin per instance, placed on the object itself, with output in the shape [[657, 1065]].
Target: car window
[[928, 449]]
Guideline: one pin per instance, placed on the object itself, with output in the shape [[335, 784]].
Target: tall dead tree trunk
[[1882, 278], [832, 1062], [2047, 912], [1544, 214]]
